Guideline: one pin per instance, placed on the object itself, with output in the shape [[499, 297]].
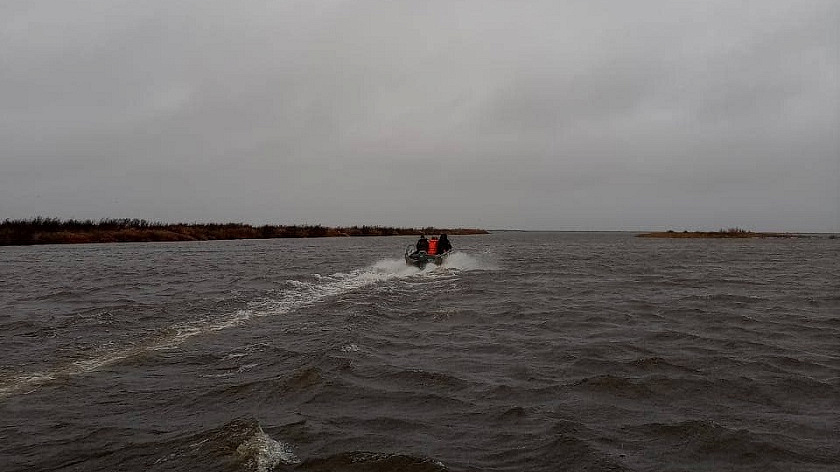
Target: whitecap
[[350, 348], [262, 453]]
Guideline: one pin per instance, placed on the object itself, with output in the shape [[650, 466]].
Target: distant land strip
[[55, 231], [723, 233]]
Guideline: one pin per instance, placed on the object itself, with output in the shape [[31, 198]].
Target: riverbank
[[55, 231]]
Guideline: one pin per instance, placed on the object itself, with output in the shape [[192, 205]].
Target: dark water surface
[[527, 352]]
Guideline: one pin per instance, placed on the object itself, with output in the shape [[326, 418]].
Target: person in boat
[[433, 246], [422, 244], [443, 245]]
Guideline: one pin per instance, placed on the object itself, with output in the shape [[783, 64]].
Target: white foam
[[350, 348], [264, 453], [463, 261]]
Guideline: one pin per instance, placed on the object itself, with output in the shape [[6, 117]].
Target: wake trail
[[298, 295]]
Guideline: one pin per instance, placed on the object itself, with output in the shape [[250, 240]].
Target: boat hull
[[421, 259]]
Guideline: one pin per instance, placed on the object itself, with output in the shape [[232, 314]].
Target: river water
[[524, 352]]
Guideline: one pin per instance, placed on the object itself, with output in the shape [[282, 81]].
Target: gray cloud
[[554, 115]]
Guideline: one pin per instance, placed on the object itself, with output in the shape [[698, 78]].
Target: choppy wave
[[261, 453], [364, 461], [533, 352], [241, 443], [296, 295]]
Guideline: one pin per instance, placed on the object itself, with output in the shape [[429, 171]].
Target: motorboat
[[422, 258]]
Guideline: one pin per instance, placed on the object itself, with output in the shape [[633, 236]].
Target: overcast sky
[[568, 115]]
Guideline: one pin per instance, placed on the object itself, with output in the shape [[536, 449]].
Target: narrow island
[[723, 233], [55, 231]]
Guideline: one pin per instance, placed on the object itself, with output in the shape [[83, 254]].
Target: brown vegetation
[[723, 233], [55, 231]]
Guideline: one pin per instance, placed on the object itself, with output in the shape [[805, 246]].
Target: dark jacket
[[443, 244], [422, 244]]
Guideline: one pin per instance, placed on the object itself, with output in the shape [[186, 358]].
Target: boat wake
[[295, 295], [463, 261]]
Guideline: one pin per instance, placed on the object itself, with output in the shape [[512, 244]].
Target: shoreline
[[729, 234], [41, 231]]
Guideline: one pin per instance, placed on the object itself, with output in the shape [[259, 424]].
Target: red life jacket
[[432, 247]]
